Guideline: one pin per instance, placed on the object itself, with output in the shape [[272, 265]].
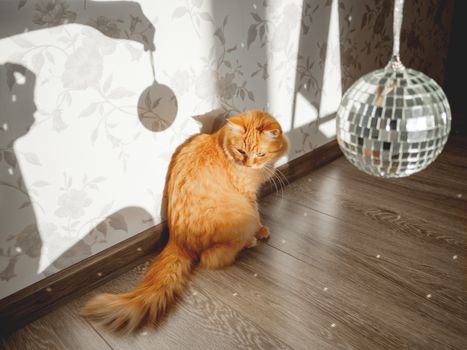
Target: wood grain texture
[[61, 329], [200, 320], [353, 262], [39, 298], [33, 301]]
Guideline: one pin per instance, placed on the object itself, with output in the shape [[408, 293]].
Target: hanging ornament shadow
[[157, 105], [395, 121]]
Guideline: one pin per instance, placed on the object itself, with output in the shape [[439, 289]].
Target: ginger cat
[[212, 215]]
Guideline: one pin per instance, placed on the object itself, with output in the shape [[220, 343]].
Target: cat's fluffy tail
[[125, 313]]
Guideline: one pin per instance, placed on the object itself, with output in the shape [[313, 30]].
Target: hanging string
[[151, 60], [395, 62]]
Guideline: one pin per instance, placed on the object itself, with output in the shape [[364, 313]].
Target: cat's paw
[[262, 233], [251, 243]]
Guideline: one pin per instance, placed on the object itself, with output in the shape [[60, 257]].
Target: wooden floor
[[353, 262]]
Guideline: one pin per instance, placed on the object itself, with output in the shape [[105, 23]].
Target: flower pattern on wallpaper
[[231, 80], [84, 172], [82, 69]]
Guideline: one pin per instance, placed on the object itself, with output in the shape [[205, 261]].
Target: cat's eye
[[241, 151], [260, 154]]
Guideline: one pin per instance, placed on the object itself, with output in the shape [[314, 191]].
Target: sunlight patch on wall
[[328, 128], [282, 50], [332, 81], [84, 188], [305, 112]]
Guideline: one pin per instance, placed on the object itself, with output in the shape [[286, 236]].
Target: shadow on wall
[[17, 85], [265, 31], [157, 106], [16, 18], [239, 55], [315, 49], [20, 240]]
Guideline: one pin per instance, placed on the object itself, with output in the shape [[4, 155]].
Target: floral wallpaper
[[96, 95]]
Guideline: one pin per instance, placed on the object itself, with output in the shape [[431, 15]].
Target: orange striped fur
[[212, 215]]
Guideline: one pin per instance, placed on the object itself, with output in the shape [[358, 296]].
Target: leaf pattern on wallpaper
[[14, 181], [306, 78], [117, 222], [80, 89], [227, 71], [109, 102], [24, 243], [21, 3], [196, 14], [258, 29], [262, 71], [308, 11], [157, 107], [72, 206], [52, 13], [109, 26], [9, 271]]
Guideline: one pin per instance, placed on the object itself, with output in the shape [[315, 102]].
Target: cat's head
[[254, 139]]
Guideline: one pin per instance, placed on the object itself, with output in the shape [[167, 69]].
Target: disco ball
[[395, 121]]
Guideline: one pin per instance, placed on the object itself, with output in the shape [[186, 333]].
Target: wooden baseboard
[[303, 165], [30, 303]]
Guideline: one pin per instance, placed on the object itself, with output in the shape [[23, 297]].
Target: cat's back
[[197, 156], [197, 148]]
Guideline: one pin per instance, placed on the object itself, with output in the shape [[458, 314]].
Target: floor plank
[[60, 329], [353, 262], [385, 283], [338, 181], [200, 320]]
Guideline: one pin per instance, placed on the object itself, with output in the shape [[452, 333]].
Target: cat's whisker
[[270, 177], [281, 178], [275, 184], [286, 181], [281, 185], [273, 177], [268, 172], [277, 174]]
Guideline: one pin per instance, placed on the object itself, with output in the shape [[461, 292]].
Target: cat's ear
[[236, 124], [272, 130]]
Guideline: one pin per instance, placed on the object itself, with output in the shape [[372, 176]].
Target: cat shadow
[[212, 121]]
